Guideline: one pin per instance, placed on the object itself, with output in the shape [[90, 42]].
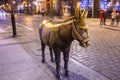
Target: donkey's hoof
[[59, 77], [67, 73], [52, 60], [43, 61]]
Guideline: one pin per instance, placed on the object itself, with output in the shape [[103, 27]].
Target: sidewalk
[[17, 64]]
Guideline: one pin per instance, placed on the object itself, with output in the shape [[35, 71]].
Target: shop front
[[109, 5], [39, 6], [94, 6]]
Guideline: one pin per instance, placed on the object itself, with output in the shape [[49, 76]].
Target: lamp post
[[92, 8], [13, 20]]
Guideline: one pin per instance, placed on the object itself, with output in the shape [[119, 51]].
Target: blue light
[[117, 6], [106, 4], [86, 3]]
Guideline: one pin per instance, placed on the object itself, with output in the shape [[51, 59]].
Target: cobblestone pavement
[[100, 61], [103, 55]]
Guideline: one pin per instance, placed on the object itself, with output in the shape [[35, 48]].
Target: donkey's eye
[[85, 35], [81, 31]]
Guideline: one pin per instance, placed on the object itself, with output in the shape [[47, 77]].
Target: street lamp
[[13, 20], [92, 8]]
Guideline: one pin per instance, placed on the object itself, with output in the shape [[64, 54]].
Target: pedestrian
[[20, 11], [43, 11], [117, 18], [105, 16], [113, 16], [101, 18]]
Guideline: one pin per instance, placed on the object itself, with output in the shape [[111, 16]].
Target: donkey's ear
[[78, 11], [83, 17], [84, 14]]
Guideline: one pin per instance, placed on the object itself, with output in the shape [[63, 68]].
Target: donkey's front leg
[[43, 51], [51, 54], [57, 60], [66, 58]]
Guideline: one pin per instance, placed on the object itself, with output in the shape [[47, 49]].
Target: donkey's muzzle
[[85, 43]]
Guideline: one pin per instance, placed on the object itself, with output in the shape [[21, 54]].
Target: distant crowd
[[115, 17]]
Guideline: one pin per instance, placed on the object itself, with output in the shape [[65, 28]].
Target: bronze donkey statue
[[59, 36]]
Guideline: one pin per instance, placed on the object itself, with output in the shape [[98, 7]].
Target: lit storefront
[[39, 5], [47, 5], [86, 4], [66, 7], [110, 4], [94, 6], [32, 7], [104, 4]]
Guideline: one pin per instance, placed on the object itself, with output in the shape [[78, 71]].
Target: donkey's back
[[55, 34]]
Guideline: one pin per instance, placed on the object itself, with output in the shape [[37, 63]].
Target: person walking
[[43, 12], [101, 18], [105, 16], [113, 16], [117, 18]]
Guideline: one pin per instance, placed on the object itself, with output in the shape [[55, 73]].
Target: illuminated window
[[107, 4], [117, 6], [86, 4]]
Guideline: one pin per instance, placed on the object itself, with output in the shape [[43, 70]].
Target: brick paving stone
[[4, 78], [102, 55], [104, 50]]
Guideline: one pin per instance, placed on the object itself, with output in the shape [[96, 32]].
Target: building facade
[[63, 7], [94, 6]]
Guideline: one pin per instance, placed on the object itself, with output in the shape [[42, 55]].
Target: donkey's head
[[80, 31]]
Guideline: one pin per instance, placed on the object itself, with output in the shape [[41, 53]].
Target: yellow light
[[48, 25], [14, 2], [21, 6], [3, 5], [25, 5], [45, 21], [53, 2], [39, 4]]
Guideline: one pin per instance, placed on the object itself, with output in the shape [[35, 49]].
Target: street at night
[[20, 56]]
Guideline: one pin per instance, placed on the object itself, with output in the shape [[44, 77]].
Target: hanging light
[[109, 4], [21, 6], [3, 5], [29, 5], [35, 3], [14, 2], [26, 5], [117, 3]]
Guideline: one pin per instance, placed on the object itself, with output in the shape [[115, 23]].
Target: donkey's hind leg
[[66, 58], [57, 60], [51, 54], [43, 51]]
